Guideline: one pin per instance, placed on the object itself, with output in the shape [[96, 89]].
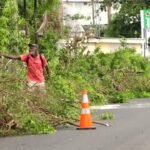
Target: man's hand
[[48, 74], [47, 77], [10, 56]]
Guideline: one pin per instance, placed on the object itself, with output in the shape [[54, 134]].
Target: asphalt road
[[130, 130]]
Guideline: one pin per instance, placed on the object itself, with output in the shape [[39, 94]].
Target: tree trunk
[[93, 12], [109, 13], [35, 23], [25, 16]]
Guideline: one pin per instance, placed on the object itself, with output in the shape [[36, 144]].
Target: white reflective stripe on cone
[[85, 111], [85, 99]]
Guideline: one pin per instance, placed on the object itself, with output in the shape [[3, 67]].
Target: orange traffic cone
[[85, 116]]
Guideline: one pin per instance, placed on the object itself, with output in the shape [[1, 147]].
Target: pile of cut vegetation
[[109, 78]]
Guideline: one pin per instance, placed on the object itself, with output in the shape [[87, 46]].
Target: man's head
[[33, 49]]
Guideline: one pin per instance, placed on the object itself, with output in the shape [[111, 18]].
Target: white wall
[[109, 45], [84, 7]]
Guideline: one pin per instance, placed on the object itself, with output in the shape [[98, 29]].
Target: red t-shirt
[[35, 67]]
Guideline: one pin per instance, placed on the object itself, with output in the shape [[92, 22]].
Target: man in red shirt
[[36, 65]]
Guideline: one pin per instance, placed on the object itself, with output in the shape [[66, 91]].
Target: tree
[[11, 35], [127, 22], [9, 26], [108, 4]]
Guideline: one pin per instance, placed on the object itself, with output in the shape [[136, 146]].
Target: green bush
[[106, 116], [109, 78]]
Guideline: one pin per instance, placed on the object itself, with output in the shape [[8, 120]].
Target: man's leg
[[31, 86], [41, 87], [36, 87]]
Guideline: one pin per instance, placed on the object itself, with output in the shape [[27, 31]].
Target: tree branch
[[43, 26]]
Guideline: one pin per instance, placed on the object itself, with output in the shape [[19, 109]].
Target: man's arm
[[10, 56]]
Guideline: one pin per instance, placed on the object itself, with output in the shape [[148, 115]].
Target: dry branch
[[12, 125], [41, 30]]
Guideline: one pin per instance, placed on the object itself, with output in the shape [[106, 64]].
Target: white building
[[89, 13], [89, 9]]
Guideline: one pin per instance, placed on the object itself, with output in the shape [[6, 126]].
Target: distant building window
[[85, 3]]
